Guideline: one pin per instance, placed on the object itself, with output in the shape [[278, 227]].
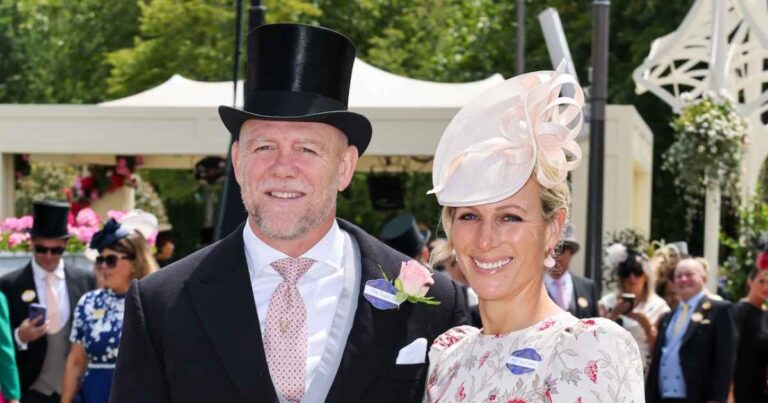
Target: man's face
[[289, 174], [563, 261], [689, 278], [48, 260]]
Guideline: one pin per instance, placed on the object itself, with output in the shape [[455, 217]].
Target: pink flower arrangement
[[14, 232]]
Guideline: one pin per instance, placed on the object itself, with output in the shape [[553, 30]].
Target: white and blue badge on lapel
[[410, 285]]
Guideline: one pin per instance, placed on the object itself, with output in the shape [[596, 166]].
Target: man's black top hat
[[299, 73], [402, 234], [49, 220]]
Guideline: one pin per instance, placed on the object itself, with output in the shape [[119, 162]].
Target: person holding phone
[[42, 342], [634, 304], [124, 255]]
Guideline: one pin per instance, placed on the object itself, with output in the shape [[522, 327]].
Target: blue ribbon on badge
[[523, 361], [381, 294]]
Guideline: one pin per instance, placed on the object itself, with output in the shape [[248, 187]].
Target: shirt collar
[[41, 273], [694, 301], [329, 250], [564, 279]]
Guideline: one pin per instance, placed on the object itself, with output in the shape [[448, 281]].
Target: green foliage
[[46, 181], [354, 204], [193, 38], [708, 150], [148, 200], [753, 219], [53, 51]]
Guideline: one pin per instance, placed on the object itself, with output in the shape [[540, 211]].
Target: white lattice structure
[[721, 46]]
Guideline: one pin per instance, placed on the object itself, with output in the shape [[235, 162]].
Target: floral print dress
[[98, 323], [560, 359]]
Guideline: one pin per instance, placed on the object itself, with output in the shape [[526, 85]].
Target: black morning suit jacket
[[191, 333], [707, 355], [13, 284], [584, 288]]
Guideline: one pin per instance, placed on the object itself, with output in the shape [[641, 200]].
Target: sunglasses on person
[[110, 260], [56, 250], [625, 272]]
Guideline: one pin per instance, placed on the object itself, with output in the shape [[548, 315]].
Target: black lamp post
[[594, 252], [231, 210]]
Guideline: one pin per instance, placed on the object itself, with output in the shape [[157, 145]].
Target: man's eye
[[308, 150], [262, 148]]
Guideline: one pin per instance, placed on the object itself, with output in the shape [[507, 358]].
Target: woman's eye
[[467, 217], [512, 218]]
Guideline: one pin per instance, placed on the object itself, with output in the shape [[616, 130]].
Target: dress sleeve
[[77, 335], [597, 360], [447, 339], [9, 376]]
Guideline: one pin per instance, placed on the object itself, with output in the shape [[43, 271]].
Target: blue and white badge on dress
[[381, 294], [523, 361]]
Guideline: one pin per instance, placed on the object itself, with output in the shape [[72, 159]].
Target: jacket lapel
[[221, 294], [694, 324], [73, 288], [370, 344]]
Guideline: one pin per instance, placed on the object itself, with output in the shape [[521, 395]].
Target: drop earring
[[549, 261]]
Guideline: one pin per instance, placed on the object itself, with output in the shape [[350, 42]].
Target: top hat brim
[[355, 126], [43, 234], [571, 243]]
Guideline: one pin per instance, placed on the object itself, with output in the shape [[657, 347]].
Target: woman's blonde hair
[[552, 201], [135, 246]]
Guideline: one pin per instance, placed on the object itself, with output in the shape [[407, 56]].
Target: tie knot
[[292, 269], [49, 277]]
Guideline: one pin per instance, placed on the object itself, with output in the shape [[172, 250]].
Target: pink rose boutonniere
[[411, 285]]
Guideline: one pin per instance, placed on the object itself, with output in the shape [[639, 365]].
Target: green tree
[[193, 38], [53, 51]]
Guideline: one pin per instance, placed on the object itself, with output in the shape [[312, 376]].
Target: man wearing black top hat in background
[[279, 310], [575, 294], [42, 345], [403, 235]]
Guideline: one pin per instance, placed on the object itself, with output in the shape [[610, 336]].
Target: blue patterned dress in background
[[98, 322]]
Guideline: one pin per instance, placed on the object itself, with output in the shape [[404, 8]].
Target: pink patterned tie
[[285, 339], [559, 293]]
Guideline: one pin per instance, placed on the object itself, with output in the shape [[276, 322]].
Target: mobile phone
[[629, 298], [37, 314]]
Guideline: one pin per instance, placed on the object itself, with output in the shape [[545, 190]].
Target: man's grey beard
[[314, 217]]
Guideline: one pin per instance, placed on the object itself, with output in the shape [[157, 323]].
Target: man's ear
[[235, 151], [349, 157]]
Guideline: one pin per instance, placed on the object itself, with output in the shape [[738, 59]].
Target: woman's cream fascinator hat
[[493, 144]]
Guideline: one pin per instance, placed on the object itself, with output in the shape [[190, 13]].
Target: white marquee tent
[[176, 123]]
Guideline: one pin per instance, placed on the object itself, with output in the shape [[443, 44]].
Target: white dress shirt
[[320, 287], [59, 285], [566, 282]]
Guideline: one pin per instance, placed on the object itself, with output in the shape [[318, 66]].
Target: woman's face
[[117, 278], [633, 283], [501, 246], [758, 287]]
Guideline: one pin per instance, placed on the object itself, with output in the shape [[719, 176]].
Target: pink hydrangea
[[16, 238], [116, 214], [87, 218], [13, 224], [84, 233]]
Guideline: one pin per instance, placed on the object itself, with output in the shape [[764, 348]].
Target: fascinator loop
[[520, 127], [109, 235]]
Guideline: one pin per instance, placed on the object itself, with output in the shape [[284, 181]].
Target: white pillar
[[7, 185], [712, 234]]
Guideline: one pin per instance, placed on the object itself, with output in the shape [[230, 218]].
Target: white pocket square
[[414, 353]]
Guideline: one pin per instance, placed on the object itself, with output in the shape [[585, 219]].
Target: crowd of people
[[297, 305]]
